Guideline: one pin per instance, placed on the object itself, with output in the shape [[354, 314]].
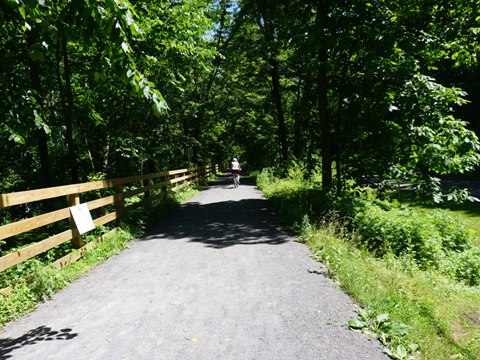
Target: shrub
[[463, 266], [426, 237], [429, 239], [400, 231], [454, 233], [294, 196]]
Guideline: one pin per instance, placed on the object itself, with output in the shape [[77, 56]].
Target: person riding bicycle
[[236, 168]]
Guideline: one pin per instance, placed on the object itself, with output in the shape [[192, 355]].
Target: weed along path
[[217, 279]]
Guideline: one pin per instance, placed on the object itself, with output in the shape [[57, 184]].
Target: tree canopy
[[378, 88]]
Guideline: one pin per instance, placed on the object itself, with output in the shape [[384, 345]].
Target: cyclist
[[235, 167]]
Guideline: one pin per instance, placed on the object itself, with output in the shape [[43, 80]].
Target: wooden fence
[[123, 188]]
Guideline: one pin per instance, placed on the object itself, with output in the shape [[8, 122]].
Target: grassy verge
[[42, 281], [442, 315]]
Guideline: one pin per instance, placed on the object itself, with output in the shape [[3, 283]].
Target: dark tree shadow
[[32, 337], [222, 224]]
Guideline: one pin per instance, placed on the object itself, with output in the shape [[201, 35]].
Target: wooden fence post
[[163, 189], [119, 200], [147, 182], [77, 240], [195, 176]]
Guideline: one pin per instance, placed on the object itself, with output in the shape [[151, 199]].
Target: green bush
[[425, 236], [455, 236], [429, 239], [401, 231], [295, 197], [463, 266], [439, 309]]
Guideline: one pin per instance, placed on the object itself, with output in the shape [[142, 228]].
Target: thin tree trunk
[[43, 152], [271, 49], [69, 113], [322, 97], [339, 128], [277, 99], [196, 134], [42, 140], [106, 154], [298, 125], [90, 157]]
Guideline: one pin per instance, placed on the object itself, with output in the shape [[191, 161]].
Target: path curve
[[217, 279]]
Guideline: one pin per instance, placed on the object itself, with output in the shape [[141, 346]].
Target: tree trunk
[[89, 152], [277, 99], [197, 124], [339, 127], [69, 112], [42, 140], [267, 26], [322, 97], [106, 155], [298, 126], [45, 167]]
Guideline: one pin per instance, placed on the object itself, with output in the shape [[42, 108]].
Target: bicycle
[[236, 181]]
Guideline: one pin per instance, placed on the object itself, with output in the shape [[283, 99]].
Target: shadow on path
[[226, 181], [42, 333], [222, 224]]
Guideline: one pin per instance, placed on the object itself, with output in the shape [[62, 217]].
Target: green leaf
[[146, 91], [17, 138], [125, 47], [396, 329], [356, 324], [382, 318]]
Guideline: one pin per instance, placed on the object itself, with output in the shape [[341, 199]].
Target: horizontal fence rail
[[122, 188]]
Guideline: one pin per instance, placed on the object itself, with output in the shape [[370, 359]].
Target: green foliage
[[390, 333], [87, 100], [433, 239], [406, 231], [436, 142], [429, 239], [463, 266], [436, 309], [15, 304], [82, 83], [295, 197], [430, 306], [43, 281]]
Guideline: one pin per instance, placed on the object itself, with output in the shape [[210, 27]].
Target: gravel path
[[217, 279]]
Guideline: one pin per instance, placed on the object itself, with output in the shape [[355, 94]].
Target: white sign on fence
[[82, 217]]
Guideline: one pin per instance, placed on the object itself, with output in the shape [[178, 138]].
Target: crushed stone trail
[[217, 279]]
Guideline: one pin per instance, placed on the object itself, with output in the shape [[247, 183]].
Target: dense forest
[[98, 89]]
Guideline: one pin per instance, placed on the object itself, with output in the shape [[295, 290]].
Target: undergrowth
[[417, 269]]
